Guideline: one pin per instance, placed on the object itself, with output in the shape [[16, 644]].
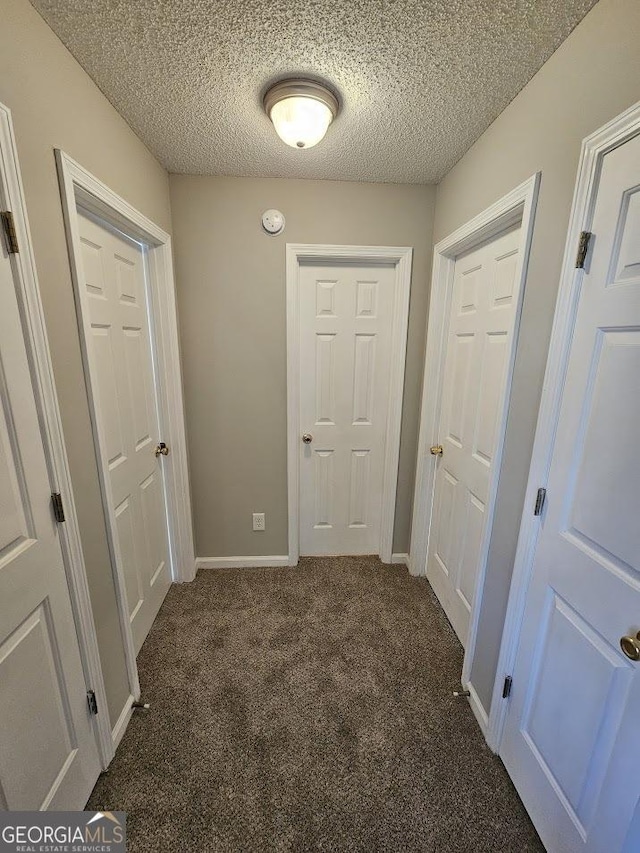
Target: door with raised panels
[[48, 753], [572, 736], [480, 338], [346, 318], [118, 341]]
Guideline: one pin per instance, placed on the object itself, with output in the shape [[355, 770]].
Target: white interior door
[[346, 325], [481, 324], [572, 736], [117, 335], [48, 753]]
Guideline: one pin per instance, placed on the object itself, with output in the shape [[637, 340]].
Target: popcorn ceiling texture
[[419, 80]]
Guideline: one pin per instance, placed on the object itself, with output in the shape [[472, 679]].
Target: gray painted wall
[[231, 299], [55, 105], [592, 77]]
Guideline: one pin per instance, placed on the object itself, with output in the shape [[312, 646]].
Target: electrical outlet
[[258, 521]]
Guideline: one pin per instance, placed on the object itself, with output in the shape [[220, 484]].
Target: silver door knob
[[307, 438]]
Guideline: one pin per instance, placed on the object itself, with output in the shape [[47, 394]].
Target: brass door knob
[[307, 438], [161, 449], [436, 450], [631, 646]]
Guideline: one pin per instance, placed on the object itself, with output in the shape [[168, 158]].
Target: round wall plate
[[273, 222]]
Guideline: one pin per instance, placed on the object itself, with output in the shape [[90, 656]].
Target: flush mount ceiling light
[[301, 111]]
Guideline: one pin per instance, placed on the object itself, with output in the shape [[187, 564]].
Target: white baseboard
[[122, 722], [271, 560], [414, 571], [241, 562], [478, 709]]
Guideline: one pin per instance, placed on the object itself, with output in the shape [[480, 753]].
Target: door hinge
[[92, 702], [583, 248], [506, 690], [58, 508], [540, 499], [9, 228]]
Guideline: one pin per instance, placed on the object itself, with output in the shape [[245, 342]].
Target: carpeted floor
[[308, 709]]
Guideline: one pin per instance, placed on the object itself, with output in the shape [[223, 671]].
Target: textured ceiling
[[419, 80]]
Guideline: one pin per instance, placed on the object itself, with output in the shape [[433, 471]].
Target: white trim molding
[[241, 562], [80, 189], [516, 207], [594, 149], [51, 421], [122, 722], [266, 561], [401, 257], [479, 712]]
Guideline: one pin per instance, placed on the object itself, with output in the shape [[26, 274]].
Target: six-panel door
[[572, 737], [117, 332], [480, 339], [48, 754], [346, 317]]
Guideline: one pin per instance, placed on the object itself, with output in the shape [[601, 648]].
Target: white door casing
[[571, 741], [49, 757], [118, 342], [346, 314], [347, 311], [79, 188], [515, 208], [482, 318]]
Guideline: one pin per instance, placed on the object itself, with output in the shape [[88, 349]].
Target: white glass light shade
[[301, 122], [301, 111]]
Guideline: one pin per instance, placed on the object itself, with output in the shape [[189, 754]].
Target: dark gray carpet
[[308, 709]]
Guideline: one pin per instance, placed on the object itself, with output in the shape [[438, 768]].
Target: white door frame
[[80, 188], [517, 206], [594, 148], [35, 335], [401, 258]]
